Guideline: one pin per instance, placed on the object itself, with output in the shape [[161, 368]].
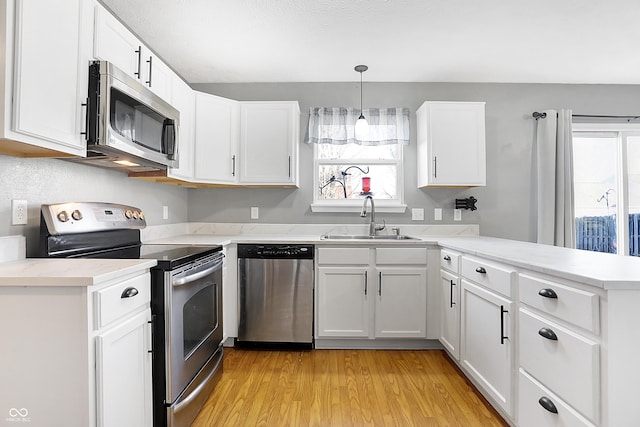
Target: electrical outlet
[[437, 214], [417, 214], [457, 214], [165, 212], [18, 212], [255, 214]]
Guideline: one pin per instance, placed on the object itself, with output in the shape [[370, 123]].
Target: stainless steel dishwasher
[[276, 295]]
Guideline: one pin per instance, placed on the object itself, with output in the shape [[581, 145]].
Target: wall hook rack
[[468, 203]]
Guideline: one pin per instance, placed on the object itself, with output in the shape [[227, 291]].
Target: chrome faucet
[[373, 227]]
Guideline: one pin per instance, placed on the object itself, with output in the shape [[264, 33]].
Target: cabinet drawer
[[449, 260], [401, 256], [111, 305], [343, 256], [575, 306], [531, 413], [491, 275], [568, 365]]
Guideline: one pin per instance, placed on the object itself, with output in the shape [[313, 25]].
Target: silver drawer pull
[[447, 258], [129, 292], [481, 270], [548, 334], [548, 293], [547, 404]]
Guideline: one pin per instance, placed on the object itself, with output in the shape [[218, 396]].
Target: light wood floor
[[344, 388]]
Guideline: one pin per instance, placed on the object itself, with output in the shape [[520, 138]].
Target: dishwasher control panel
[[276, 251]]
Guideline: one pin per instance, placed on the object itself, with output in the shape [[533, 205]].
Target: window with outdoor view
[[347, 169], [606, 161]]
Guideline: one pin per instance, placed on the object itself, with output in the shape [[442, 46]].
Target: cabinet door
[[51, 71], [343, 295], [156, 75], [450, 313], [451, 144], [486, 342], [123, 373], [184, 100], [269, 133], [113, 42], [401, 302], [216, 139]]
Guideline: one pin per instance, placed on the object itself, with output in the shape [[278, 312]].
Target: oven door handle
[[193, 277], [194, 393]]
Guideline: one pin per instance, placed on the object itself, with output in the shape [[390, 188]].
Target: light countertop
[[68, 271], [608, 271]]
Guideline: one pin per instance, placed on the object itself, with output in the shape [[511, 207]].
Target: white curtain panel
[[554, 148], [336, 125]]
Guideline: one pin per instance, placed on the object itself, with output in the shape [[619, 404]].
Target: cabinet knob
[[547, 404], [548, 334], [129, 292], [548, 293], [481, 270], [447, 258]]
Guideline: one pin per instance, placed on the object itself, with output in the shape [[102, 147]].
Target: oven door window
[[135, 122], [200, 318]]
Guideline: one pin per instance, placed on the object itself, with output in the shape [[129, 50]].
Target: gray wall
[[506, 206], [56, 181]]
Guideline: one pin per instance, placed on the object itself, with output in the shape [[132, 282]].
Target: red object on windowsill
[[366, 184]]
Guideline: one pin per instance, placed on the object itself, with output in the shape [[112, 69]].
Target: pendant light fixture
[[362, 127]]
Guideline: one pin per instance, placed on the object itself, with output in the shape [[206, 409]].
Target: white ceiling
[[534, 41]]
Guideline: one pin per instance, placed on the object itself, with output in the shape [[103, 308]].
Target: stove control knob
[[141, 216], [63, 216], [135, 214], [128, 214], [77, 215]]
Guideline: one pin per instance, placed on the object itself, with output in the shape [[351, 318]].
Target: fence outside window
[[598, 233]]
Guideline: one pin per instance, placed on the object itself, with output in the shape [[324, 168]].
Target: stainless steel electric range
[[186, 298]]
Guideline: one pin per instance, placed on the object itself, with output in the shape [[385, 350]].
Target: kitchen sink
[[365, 237]]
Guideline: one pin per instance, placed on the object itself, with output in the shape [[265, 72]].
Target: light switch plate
[[437, 214], [165, 212], [255, 213], [417, 214], [457, 214]]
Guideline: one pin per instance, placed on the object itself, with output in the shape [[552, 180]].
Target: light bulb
[[362, 129]]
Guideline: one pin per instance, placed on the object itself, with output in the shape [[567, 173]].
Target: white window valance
[[336, 125]]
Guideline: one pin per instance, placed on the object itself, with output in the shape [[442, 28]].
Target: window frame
[[355, 205], [622, 131]]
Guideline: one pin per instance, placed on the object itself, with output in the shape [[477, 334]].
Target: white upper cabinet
[[44, 83], [269, 137], [451, 144], [216, 139], [114, 42], [183, 98]]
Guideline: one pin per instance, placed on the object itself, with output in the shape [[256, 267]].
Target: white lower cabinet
[[401, 303], [487, 330], [558, 330], [84, 356], [449, 302], [486, 346], [359, 298], [123, 377], [538, 406], [343, 296], [450, 313]]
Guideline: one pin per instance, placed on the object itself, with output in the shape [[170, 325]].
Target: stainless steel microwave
[[128, 126]]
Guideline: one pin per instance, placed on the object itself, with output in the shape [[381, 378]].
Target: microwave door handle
[[169, 138]]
